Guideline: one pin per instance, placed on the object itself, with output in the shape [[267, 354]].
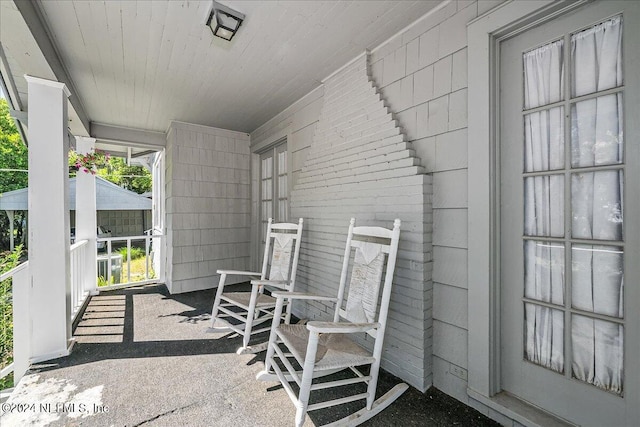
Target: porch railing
[[79, 257], [16, 341], [129, 261]]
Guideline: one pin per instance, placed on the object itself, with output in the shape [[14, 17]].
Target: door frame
[[485, 34]]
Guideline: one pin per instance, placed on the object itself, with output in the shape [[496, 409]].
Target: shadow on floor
[[109, 328], [152, 356]]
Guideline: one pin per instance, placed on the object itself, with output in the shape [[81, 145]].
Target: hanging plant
[[89, 162]]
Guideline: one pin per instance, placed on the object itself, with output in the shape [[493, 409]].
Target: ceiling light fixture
[[224, 21]]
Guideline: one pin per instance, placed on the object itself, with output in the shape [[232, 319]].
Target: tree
[[132, 177], [13, 153], [114, 169], [8, 260], [14, 161]]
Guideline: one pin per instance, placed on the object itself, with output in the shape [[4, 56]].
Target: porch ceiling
[[141, 64]]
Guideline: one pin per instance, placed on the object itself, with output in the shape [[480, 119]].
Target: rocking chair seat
[[243, 298], [249, 309], [323, 347], [334, 350]]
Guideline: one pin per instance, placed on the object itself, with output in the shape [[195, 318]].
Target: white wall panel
[[209, 205], [432, 53], [358, 164]]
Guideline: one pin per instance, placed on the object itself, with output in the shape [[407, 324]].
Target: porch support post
[[86, 222], [49, 234]]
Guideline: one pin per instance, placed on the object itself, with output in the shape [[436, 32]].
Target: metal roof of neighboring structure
[[109, 197]]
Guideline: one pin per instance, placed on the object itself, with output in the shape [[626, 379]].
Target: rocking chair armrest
[[282, 284], [302, 295], [239, 273], [340, 327]]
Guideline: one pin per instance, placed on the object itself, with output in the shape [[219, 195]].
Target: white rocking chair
[[250, 309], [321, 348]]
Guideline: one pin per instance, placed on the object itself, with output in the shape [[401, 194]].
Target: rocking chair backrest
[[283, 244], [372, 245]]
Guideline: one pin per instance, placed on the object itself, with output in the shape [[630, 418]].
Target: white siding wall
[[121, 223], [297, 125], [422, 76], [207, 204], [125, 223], [422, 73], [357, 163]]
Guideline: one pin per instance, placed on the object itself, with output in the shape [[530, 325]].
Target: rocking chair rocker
[[251, 309], [322, 348]]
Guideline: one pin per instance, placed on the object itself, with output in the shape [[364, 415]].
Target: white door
[[569, 215]]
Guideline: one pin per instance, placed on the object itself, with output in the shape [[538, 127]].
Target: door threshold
[[518, 410]]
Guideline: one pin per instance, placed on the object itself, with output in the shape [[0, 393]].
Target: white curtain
[[596, 140], [544, 281], [596, 205], [544, 205]]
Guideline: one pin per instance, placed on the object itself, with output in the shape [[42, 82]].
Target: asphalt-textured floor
[[146, 358]]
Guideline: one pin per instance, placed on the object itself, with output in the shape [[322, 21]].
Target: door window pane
[[544, 140], [597, 280], [596, 205], [282, 162], [544, 206], [543, 75], [268, 207], [596, 58], [544, 336], [267, 189], [282, 187], [544, 271], [267, 167], [597, 132], [597, 348]]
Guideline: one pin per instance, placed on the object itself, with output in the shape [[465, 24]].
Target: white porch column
[[86, 222], [49, 234]]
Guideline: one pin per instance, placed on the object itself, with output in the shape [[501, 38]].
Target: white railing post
[[80, 255], [159, 244], [109, 262], [129, 260], [146, 257]]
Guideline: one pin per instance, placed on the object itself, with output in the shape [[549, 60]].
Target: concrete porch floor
[[144, 358]]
